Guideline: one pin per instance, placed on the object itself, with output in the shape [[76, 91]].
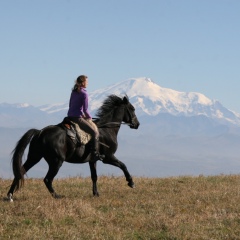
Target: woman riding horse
[[53, 144]]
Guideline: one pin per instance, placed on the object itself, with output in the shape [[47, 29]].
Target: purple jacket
[[78, 104]]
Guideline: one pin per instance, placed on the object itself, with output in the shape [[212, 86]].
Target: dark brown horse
[[53, 144]]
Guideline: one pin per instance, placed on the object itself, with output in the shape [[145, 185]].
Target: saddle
[[75, 133]]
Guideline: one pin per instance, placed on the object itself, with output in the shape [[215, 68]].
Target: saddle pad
[[84, 137]]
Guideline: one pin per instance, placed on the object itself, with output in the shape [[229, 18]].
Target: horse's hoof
[[96, 194], [9, 198], [56, 196], [131, 185]]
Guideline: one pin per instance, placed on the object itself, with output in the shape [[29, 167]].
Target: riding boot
[[95, 155]]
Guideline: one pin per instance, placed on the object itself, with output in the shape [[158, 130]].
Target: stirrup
[[101, 156], [97, 156]]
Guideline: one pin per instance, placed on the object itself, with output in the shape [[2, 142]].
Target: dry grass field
[[158, 208]]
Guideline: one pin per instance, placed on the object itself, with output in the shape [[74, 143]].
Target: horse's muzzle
[[134, 125]]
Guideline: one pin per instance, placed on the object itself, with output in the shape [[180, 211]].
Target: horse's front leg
[[93, 169], [54, 167], [117, 163]]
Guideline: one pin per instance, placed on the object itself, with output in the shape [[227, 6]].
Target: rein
[[105, 125], [117, 124]]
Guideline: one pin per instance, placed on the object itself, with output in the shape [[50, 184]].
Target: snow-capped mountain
[[151, 99]]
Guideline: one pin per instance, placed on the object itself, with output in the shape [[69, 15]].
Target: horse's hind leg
[[54, 167], [30, 162], [11, 190]]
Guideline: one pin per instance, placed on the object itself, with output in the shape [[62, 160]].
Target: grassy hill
[[158, 208]]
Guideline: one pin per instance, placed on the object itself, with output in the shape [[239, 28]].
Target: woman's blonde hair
[[79, 81]]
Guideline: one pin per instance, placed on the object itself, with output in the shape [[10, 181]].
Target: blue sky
[[186, 45]]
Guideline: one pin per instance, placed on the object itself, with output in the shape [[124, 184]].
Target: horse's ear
[[125, 100]]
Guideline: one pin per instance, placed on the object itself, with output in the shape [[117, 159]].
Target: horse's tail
[[21, 145]]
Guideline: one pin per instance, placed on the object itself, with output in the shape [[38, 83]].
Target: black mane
[[109, 104]]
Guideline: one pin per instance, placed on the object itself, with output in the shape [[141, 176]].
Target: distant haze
[[180, 133]]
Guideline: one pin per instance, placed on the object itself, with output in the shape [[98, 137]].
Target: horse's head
[[129, 114], [116, 110]]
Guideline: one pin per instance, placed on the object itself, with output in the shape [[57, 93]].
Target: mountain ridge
[[152, 99]]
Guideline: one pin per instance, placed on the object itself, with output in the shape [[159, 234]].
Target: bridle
[[132, 118]]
